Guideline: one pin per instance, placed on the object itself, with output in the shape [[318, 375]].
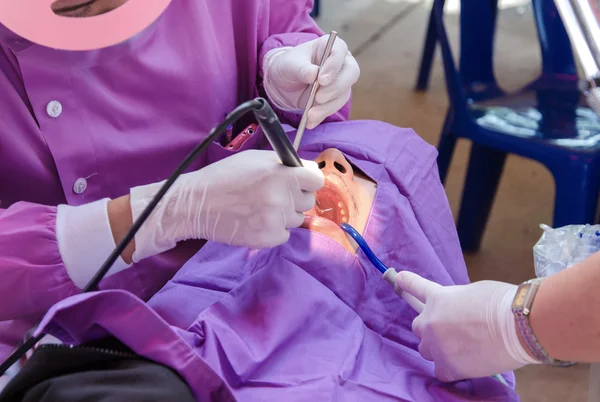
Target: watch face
[[519, 300]]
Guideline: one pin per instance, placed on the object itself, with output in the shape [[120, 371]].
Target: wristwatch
[[521, 307]]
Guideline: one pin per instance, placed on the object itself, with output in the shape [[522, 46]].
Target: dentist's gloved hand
[[290, 72], [249, 199], [468, 331]]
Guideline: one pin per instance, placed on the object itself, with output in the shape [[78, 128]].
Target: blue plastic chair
[[547, 121], [316, 9], [430, 42]]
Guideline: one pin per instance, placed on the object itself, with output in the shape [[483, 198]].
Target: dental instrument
[[319, 209], [274, 133], [313, 91], [273, 130], [362, 243], [389, 274]]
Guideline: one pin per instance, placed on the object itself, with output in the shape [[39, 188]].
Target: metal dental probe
[[313, 91], [318, 207]]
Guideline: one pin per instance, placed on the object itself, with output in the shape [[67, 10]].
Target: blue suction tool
[[364, 247]]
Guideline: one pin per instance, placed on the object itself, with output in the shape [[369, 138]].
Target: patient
[[310, 319]]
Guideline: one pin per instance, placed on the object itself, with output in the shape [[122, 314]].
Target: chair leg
[[428, 53], [483, 176], [445, 149], [577, 191]]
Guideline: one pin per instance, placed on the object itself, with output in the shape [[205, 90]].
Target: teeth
[[342, 210], [320, 211]]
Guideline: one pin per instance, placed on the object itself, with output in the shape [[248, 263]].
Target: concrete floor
[[386, 37]]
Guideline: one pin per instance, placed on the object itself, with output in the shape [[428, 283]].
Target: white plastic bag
[[560, 248]]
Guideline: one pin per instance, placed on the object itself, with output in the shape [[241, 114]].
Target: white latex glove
[[468, 331], [249, 199], [289, 73]]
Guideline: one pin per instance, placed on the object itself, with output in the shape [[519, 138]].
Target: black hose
[[255, 104]]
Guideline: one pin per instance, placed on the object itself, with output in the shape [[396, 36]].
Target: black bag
[[105, 370]]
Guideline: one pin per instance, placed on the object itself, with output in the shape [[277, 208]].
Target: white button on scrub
[[54, 108], [80, 186]]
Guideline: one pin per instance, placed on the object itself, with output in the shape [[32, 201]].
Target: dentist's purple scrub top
[[76, 127]]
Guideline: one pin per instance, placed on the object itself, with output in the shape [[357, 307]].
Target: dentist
[[100, 101]]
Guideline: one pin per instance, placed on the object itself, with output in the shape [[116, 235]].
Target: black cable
[[215, 132], [237, 113]]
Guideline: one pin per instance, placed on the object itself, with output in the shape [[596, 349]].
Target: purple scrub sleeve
[[78, 127]]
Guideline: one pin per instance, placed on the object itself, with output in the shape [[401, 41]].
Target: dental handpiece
[[389, 274], [273, 130], [313, 91]]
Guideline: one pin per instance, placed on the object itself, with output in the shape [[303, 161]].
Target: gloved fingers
[[425, 352], [294, 220], [309, 177], [416, 285], [274, 238], [296, 70], [344, 81], [266, 229], [417, 326], [273, 230], [304, 201], [443, 374], [334, 63], [318, 113], [413, 302]]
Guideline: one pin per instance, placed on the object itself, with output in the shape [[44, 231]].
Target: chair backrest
[[478, 21], [477, 32], [557, 59], [555, 46], [477, 29]]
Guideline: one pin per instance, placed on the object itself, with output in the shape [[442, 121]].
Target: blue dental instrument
[[364, 247], [389, 274]]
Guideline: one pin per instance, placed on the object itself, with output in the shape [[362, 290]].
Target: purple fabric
[[130, 114], [308, 319]]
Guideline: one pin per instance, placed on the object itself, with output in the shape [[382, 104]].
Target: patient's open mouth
[[346, 197], [342, 199], [329, 205], [331, 208]]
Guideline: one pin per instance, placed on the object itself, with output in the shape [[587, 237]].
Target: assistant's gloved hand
[[249, 199], [289, 73], [468, 331]]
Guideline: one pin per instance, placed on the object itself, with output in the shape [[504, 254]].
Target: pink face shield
[[35, 21]]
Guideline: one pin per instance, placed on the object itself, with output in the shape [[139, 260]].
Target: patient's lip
[[318, 223], [328, 228]]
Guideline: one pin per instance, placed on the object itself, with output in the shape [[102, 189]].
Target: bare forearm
[[120, 217], [564, 316]]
